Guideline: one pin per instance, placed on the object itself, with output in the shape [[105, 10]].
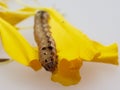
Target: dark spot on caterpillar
[[49, 66], [46, 60], [49, 42], [46, 68], [51, 59], [50, 47], [44, 48]]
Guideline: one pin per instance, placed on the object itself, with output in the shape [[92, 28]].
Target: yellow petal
[[88, 50], [70, 42], [28, 9], [108, 54], [2, 4], [16, 46], [14, 17], [67, 72]]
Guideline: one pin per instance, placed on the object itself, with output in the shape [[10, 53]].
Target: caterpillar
[[45, 42]]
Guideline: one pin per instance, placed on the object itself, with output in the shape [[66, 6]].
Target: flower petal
[[72, 44], [70, 41], [2, 4], [67, 72], [108, 54], [16, 46], [88, 50], [14, 17]]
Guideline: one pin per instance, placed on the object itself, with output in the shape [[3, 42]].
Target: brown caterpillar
[[45, 42]]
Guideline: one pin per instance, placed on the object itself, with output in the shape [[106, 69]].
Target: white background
[[99, 19]]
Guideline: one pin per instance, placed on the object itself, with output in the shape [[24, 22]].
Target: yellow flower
[[14, 17], [67, 72], [72, 45], [17, 47]]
